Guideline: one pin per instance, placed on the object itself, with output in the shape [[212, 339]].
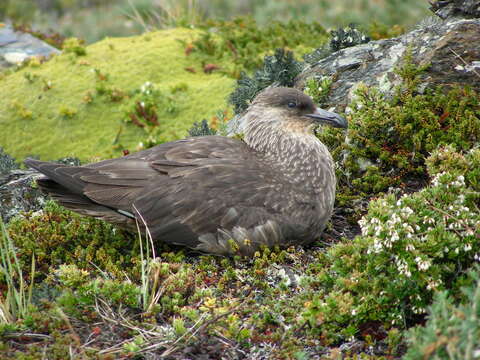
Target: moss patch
[[77, 103]]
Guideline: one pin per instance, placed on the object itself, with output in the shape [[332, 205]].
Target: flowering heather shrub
[[446, 158], [410, 247], [426, 238]]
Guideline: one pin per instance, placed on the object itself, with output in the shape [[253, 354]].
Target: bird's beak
[[330, 118]]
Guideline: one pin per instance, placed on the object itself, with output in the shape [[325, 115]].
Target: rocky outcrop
[[450, 47], [16, 47], [462, 8], [17, 194], [16, 191]]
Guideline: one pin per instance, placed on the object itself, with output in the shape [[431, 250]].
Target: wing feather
[[185, 190]]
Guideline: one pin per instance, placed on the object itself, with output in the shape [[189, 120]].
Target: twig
[[448, 215], [464, 62], [27, 335]]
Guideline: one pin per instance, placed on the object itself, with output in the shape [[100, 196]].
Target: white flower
[[394, 237], [422, 265], [410, 247]]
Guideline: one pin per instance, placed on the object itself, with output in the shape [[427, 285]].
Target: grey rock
[[451, 47], [450, 8], [17, 194], [15, 47]]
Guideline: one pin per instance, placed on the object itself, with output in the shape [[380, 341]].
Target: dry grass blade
[[464, 62], [150, 295], [16, 302]]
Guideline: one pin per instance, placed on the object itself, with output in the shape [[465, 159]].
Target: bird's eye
[[291, 105]]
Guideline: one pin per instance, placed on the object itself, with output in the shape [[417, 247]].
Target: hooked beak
[[330, 118]]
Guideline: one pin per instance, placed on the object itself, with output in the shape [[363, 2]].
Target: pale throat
[[292, 147]]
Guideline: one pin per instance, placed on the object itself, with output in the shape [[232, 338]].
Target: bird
[[216, 194]]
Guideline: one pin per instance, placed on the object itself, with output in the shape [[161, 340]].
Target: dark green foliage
[[58, 236], [347, 37], [70, 161], [279, 69], [201, 129], [452, 331], [389, 139], [7, 163], [241, 44]]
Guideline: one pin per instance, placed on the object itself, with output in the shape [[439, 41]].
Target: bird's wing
[[188, 189]]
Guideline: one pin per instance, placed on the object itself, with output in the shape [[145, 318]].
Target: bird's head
[[292, 110]]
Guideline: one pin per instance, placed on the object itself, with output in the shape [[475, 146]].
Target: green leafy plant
[[57, 236], [318, 88], [82, 290], [279, 69], [243, 43], [201, 129], [452, 331], [7, 163]]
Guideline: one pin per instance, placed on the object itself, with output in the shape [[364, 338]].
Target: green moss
[[75, 46], [31, 122]]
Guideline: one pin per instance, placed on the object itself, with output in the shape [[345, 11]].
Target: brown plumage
[[217, 194]]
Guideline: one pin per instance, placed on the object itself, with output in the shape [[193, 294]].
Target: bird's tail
[[61, 184]]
